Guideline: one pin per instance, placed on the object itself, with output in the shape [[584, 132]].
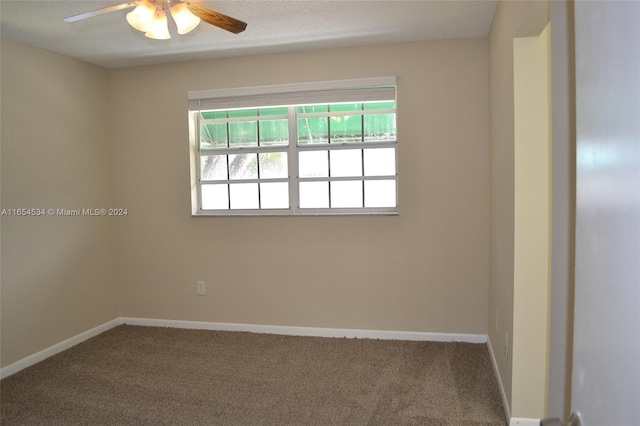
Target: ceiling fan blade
[[218, 19], [86, 15]]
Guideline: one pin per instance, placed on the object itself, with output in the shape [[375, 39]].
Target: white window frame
[[291, 95]]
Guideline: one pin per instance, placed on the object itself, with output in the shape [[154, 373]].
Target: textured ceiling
[[273, 26]]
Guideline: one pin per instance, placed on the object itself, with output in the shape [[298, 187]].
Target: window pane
[[244, 195], [213, 135], [274, 195], [313, 130], [379, 105], [274, 132], [313, 164], [380, 162], [243, 133], [213, 167], [243, 113], [243, 166], [215, 197], [211, 115], [379, 127], [380, 193], [273, 165], [346, 194], [314, 195], [347, 162], [312, 109], [346, 129], [345, 107], [273, 111]]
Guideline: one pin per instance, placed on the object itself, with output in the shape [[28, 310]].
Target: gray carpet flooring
[[133, 375]]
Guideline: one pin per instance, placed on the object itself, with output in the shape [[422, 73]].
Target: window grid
[[228, 172], [328, 161], [293, 147]]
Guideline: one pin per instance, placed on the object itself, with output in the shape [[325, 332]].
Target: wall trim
[[310, 331], [496, 372], [516, 421], [57, 348], [253, 328]]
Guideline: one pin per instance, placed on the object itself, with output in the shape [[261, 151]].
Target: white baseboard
[[496, 371], [310, 331], [253, 328], [57, 348], [515, 421]]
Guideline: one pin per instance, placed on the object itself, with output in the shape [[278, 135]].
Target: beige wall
[[503, 29], [532, 224], [512, 19], [77, 136], [563, 211], [426, 269], [57, 272]]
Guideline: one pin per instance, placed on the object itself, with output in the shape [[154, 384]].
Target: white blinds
[[360, 90]]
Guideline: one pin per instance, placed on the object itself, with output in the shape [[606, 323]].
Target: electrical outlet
[[506, 345], [201, 288]]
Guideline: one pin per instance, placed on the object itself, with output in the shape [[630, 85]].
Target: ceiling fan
[[150, 17]]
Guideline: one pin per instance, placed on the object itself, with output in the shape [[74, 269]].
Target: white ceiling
[[273, 26]]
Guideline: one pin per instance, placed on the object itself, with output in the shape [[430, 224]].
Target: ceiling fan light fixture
[[159, 28], [150, 17], [141, 17], [185, 20]]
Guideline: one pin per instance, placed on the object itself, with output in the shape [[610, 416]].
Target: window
[[317, 148]]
